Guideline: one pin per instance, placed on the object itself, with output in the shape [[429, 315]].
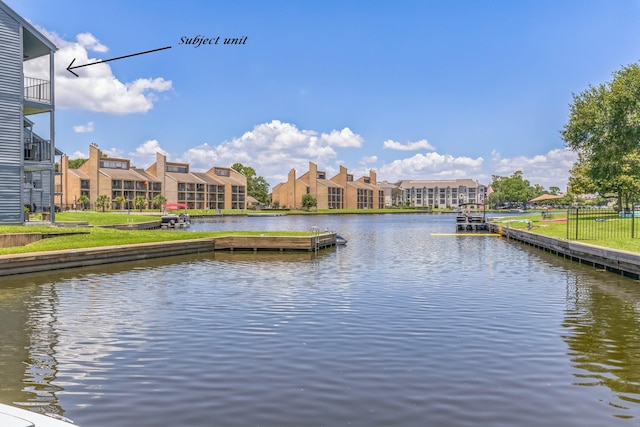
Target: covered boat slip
[[468, 222]]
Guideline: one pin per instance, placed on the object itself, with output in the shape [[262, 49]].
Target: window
[[177, 168], [113, 164], [222, 172]]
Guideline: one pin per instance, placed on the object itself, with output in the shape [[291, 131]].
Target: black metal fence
[[602, 223]]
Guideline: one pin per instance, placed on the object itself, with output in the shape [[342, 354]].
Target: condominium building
[[27, 147], [339, 192], [218, 188], [442, 193]]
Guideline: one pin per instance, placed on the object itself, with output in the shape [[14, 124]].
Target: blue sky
[[412, 89]]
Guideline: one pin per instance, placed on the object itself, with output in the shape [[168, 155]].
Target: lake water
[[398, 328]]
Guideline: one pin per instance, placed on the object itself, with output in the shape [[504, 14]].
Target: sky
[[412, 89]]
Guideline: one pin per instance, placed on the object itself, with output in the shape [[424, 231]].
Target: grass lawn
[[559, 231], [99, 236], [104, 218]]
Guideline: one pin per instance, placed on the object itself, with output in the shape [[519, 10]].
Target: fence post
[[633, 219]]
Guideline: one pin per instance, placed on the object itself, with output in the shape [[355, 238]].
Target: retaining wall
[[55, 260], [617, 261]]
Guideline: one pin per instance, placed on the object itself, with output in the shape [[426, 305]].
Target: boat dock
[[33, 262], [466, 222]]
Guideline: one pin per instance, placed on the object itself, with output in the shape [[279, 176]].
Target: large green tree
[[604, 130], [513, 189], [257, 186]]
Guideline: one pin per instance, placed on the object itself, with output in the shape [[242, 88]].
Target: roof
[[328, 183], [35, 43], [207, 178], [124, 174], [360, 185], [146, 175], [185, 177], [78, 173], [430, 183]]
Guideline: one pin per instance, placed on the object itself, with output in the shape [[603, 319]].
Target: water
[[398, 328]]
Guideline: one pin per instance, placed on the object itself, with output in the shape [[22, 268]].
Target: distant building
[[339, 192], [442, 193], [218, 188], [27, 150]]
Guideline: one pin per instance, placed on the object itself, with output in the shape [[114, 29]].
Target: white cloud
[[431, 166], [343, 138], [90, 42], [113, 152], [423, 144], [273, 149], [550, 169], [78, 155], [368, 159], [97, 89], [145, 154], [84, 128]]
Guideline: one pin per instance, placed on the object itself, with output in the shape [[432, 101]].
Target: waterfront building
[[27, 147], [218, 188], [289, 194], [235, 187], [362, 193], [442, 193], [105, 176], [339, 192]]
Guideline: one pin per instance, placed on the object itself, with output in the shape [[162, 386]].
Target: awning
[[545, 197], [174, 206]]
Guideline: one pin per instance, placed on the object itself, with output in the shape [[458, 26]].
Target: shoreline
[[34, 262], [616, 261]]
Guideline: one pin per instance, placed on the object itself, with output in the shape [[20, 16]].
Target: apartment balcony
[[37, 150], [37, 90]]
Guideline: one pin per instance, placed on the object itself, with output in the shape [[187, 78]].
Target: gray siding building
[[27, 148]]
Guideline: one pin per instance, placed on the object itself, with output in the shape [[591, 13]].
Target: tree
[[396, 196], [308, 201], [513, 189], [159, 201], [102, 202], [83, 201], [76, 163], [604, 130], [257, 186], [140, 202], [120, 200]]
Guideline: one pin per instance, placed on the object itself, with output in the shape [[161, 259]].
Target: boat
[[466, 221], [175, 221], [340, 240], [11, 416]]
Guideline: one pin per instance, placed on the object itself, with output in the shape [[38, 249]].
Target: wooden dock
[[82, 257], [275, 243]]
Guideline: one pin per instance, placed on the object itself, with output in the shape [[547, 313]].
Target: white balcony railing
[[37, 90]]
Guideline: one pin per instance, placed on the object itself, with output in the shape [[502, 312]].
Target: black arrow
[[69, 68]]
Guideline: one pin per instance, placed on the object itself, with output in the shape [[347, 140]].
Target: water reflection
[[604, 342], [397, 328]]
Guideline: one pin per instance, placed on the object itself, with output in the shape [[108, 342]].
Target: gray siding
[[10, 120]]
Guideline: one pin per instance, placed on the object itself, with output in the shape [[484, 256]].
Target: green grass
[[104, 218], [558, 230], [99, 236]]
